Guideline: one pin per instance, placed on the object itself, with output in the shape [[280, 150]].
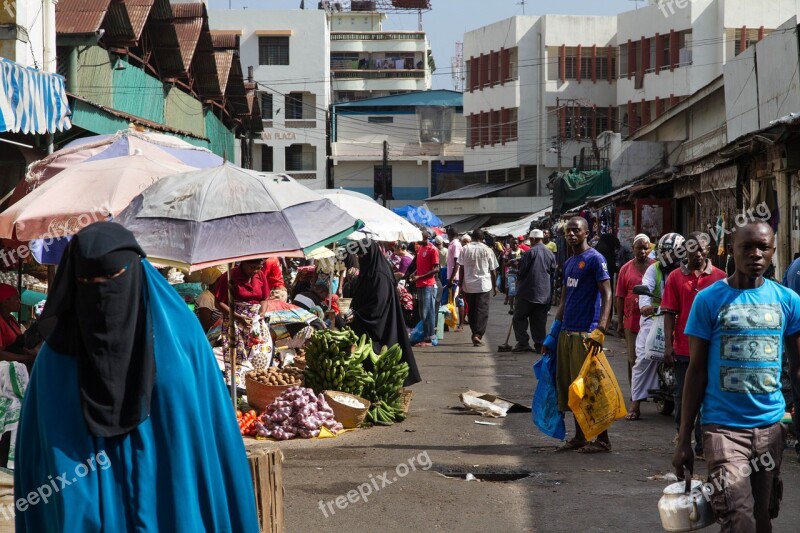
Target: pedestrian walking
[[627, 303], [478, 272], [581, 322], [442, 278], [126, 394], [533, 294], [644, 375], [791, 279], [453, 280], [681, 288], [737, 331], [425, 281]]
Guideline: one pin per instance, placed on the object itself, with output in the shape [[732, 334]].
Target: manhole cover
[[497, 475]]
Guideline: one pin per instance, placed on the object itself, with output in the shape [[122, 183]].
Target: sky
[[446, 23]]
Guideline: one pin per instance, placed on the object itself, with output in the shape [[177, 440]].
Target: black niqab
[[104, 325], [376, 308]]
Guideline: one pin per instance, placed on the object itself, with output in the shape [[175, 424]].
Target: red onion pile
[[298, 412]]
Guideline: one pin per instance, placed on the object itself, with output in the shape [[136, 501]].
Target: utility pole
[[559, 132], [384, 172]]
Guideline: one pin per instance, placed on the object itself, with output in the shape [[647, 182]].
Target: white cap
[[537, 234]]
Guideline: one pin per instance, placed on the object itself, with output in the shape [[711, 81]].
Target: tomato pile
[[247, 422]]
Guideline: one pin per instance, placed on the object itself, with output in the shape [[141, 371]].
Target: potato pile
[[278, 376]]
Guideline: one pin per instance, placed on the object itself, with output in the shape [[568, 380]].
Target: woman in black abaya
[[376, 307]]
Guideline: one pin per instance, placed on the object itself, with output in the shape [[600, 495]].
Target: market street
[[566, 492]]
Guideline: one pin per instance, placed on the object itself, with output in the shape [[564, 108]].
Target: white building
[[367, 62], [670, 49], [424, 135], [538, 90], [289, 53]]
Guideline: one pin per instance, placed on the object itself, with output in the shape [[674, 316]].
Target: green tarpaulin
[[572, 188]]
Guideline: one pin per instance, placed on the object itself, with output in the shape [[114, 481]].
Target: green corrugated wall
[[183, 112], [221, 138], [95, 80], [137, 93]]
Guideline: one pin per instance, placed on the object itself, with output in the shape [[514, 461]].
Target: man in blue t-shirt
[[736, 330], [791, 279], [581, 320]]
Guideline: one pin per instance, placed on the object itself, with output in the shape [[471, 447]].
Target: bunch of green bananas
[[334, 361], [385, 392]]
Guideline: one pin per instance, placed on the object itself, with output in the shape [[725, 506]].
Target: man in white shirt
[[478, 274], [453, 253]]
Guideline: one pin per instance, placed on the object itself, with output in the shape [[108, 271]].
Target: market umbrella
[[419, 215], [225, 214], [83, 194], [379, 223]]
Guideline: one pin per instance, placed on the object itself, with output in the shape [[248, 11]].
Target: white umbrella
[[380, 223]]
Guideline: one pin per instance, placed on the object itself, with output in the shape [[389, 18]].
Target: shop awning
[[31, 101], [518, 227]]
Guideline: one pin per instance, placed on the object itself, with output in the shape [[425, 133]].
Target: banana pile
[[334, 361], [385, 392]]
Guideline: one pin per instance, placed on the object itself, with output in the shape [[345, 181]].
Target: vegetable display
[[247, 422], [334, 361], [385, 391], [298, 412], [278, 376]]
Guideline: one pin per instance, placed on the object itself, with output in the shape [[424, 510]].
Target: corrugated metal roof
[[204, 64], [188, 21], [80, 16], [225, 46], [476, 190], [440, 97], [164, 37], [125, 21]]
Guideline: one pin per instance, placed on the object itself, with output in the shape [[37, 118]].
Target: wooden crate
[[266, 468]]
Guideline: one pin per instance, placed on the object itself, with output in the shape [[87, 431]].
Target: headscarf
[[641, 237], [106, 326], [7, 291]]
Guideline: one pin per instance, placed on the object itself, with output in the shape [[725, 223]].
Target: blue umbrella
[[419, 215]]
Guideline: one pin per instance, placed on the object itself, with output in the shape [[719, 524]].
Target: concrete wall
[[761, 85], [357, 21], [410, 181], [308, 72]]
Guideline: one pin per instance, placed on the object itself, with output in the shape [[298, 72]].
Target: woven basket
[[349, 417], [259, 396], [406, 397]]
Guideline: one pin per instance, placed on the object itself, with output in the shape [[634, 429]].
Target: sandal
[[569, 445], [596, 447], [634, 415]]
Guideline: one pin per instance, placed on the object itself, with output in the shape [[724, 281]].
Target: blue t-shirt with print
[[582, 273], [745, 329]]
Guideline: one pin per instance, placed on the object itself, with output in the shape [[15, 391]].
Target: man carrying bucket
[[736, 330]]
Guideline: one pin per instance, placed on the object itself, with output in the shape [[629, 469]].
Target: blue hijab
[[183, 469]]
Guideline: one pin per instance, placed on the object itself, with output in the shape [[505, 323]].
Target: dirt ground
[[406, 477]]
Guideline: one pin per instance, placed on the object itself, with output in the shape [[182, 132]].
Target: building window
[[751, 37], [380, 120], [266, 106], [273, 50], [294, 106], [301, 158], [378, 182], [266, 159]]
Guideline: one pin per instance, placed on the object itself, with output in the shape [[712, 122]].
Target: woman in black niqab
[[376, 307], [97, 313]]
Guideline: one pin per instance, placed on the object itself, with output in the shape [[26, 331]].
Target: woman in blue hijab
[[126, 424]]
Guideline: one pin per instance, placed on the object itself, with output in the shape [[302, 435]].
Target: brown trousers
[[744, 473]]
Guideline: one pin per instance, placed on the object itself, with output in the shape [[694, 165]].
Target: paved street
[[566, 492]]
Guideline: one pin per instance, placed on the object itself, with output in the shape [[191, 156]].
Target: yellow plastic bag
[[452, 313], [595, 397]]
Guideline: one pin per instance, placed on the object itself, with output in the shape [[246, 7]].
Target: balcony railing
[[302, 174], [301, 124], [377, 74], [382, 36]]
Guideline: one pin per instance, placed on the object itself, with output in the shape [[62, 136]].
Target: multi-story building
[[538, 91], [669, 50], [367, 62], [423, 133], [289, 53]]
